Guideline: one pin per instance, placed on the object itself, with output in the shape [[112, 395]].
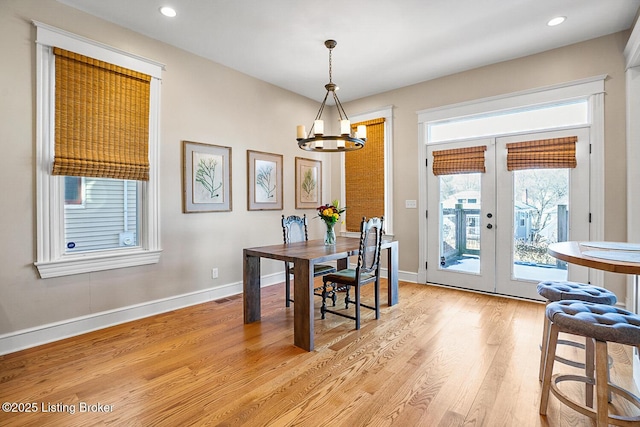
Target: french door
[[488, 231]]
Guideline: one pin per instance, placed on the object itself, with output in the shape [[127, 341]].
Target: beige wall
[[587, 59], [201, 101], [206, 102]]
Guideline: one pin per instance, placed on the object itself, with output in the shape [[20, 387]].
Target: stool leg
[[588, 370], [548, 366], [543, 348], [602, 384]]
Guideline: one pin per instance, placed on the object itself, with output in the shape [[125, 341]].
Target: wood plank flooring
[[441, 357]]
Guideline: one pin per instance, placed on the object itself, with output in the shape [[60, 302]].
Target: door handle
[[489, 226]]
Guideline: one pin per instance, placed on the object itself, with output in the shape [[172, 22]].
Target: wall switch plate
[[410, 204], [214, 273]]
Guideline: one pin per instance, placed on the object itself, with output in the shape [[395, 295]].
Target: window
[[89, 224], [382, 198]]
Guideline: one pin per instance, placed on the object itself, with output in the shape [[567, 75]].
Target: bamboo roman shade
[[542, 154], [364, 176], [459, 160], [101, 119]]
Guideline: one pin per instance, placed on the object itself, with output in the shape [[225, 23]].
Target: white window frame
[[387, 114], [51, 260]]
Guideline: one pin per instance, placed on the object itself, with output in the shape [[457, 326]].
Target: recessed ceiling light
[[168, 11], [556, 21]]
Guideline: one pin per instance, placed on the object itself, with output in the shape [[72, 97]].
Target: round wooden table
[[616, 257]]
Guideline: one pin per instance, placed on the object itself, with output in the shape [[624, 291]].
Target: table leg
[[392, 274], [251, 288], [303, 308]]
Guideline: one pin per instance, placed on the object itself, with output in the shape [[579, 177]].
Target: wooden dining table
[[304, 255]]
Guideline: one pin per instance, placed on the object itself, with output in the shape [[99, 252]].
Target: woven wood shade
[[459, 160], [364, 176], [101, 119], [542, 154]]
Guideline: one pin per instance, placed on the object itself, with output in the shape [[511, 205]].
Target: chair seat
[[348, 277], [321, 269], [561, 290], [598, 321]]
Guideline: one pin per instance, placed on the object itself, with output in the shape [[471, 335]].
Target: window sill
[[96, 262]]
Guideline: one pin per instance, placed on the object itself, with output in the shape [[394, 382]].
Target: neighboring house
[[522, 221], [105, 220]]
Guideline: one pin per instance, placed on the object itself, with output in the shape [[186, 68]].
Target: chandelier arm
[[319, 115], [341, 112]]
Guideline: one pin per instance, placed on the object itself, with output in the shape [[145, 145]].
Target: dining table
[[304, 255]]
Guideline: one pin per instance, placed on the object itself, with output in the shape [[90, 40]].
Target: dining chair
[[367, 271], [294, 229]]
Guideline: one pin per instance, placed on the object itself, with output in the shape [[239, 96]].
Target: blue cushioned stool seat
[[602, 324], [564, 290], [558, 291]]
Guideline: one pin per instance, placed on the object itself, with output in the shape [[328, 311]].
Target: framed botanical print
[[264, 181], [308, 183], [206, 177]]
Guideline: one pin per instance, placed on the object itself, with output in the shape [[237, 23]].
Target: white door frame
[[590, 89]]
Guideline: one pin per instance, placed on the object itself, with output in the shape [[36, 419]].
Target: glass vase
[[330, 235]]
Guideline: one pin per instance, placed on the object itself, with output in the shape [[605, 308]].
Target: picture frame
[[308, 183], [264, 181], [206, 177]]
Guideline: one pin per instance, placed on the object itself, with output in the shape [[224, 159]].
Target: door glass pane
[[460, 222], [540, 217]]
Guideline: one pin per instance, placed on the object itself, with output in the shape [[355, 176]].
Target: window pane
[[108, 218], [497, 123], [541, 212], [460, 222]]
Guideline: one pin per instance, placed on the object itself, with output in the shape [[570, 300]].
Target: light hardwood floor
[[440, 357]]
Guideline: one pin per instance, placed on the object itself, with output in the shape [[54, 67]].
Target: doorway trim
[[590, 89]]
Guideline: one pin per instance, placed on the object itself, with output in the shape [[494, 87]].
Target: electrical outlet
[[214, 273]]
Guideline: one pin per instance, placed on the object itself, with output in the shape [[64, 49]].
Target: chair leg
[[323, 308], [357, 306], [552, 343], [346, 298], [602, 384], [589, 348], [377, 297], [543, 348]]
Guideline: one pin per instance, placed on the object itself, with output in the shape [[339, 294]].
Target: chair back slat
[[294, 228], [371, 232]]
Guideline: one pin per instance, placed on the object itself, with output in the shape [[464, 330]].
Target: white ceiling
[[382, 44]]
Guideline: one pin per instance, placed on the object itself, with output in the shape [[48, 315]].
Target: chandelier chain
[[330, 66]]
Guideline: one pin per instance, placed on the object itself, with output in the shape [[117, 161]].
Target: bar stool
[[561, 290], [602, 324]]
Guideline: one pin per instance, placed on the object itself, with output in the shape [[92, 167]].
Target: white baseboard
[[27, 338], [32, 337]]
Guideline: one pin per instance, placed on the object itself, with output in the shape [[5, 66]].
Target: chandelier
[[316, 140]]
